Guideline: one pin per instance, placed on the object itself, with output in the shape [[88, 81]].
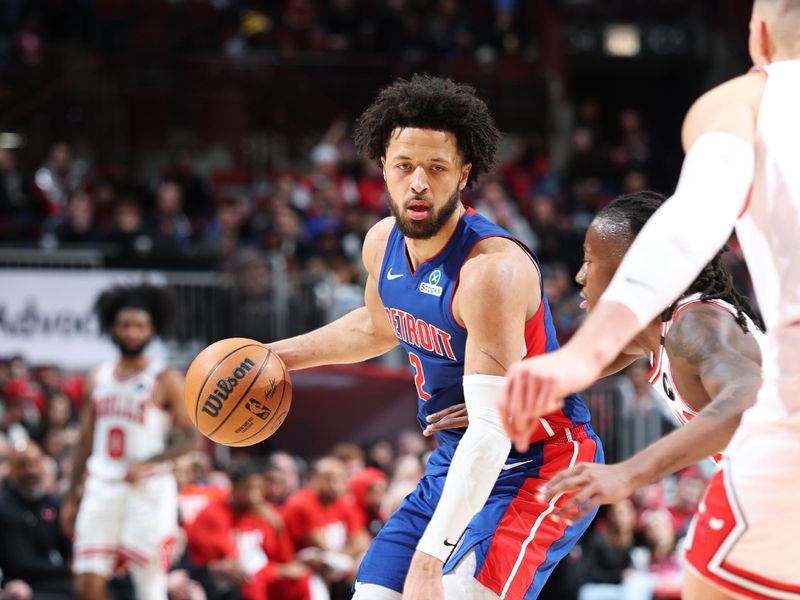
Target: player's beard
[[429, 226], [129, 351]]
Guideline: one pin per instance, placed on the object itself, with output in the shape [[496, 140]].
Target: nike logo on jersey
[[447, 543], [391, 275], [516, 464]]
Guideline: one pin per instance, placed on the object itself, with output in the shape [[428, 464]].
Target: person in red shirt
[[242, 542], [368, 489], [324, 523]]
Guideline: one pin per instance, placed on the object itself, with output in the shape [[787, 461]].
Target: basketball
[[237, 392]]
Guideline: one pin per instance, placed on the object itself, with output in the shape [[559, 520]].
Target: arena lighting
[[10, 141], [622, 40]]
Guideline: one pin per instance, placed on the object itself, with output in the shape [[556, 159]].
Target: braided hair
[[713, 283]]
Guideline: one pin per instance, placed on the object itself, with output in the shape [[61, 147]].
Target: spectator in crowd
[[59, 178], [241, 546], [32, 547], [607, 564], [661, 540], [689, 489], [495, 205], [18, 208], [195, 197], [174, 231], [76, 225], [196, 488], [324, 525], [369, 488], [129, 234]]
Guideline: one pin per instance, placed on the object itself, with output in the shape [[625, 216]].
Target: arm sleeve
[[473, 472], [685, 233]]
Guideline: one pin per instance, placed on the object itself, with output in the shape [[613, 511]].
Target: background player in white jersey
[[742, 140], [705, 355], [133, 425]]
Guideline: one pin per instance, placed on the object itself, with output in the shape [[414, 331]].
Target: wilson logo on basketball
[[215, 399]]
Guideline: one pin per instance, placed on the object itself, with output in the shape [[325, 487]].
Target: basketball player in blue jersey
[[464, 299]]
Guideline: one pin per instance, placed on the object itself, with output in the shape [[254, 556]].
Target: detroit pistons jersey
[[661, 377], [128, 427], [418, 304]]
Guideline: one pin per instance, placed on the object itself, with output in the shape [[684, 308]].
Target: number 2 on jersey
[[116, 442], [419, 376]]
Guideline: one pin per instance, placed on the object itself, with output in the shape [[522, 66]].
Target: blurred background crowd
[[209, 141]]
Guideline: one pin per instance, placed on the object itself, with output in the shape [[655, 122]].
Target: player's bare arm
[[718, 136], [183, 437], [80, 455], [705, 345], [499, 290], [357, 336]]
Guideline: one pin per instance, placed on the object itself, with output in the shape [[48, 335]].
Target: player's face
[[424, 174], [603, 249], [132, 331]]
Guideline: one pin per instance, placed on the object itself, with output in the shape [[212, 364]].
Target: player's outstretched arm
[[357, 336], [727, 360], [688, 229], [493, 300]]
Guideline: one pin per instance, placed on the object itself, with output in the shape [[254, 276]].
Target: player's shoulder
[[169, 376], [702, 329], [375, 243], [730, 102], [498, 261]]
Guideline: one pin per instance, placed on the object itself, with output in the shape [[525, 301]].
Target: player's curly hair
[[713, 283], [156, 301], [431, 103]]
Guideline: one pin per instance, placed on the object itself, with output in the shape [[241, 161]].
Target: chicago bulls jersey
[[418, 305], [661, 377], [128, 426]]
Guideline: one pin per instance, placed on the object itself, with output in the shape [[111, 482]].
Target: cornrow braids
[[713, 283]]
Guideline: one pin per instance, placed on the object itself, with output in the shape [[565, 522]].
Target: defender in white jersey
[[704, 351], [128, 512], [742, 140]]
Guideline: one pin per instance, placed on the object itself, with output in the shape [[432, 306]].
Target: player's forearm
[[181, 442], [605, 333], [349, 339], [704, 436], [81, 455]]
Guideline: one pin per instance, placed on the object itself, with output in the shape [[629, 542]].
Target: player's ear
[[462, 182], [383, 167]]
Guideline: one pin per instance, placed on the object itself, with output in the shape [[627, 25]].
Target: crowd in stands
[[406, 29]]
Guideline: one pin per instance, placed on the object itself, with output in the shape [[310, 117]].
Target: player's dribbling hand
[[452, 417], [593, 484], [536, 387], [424, 579]]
